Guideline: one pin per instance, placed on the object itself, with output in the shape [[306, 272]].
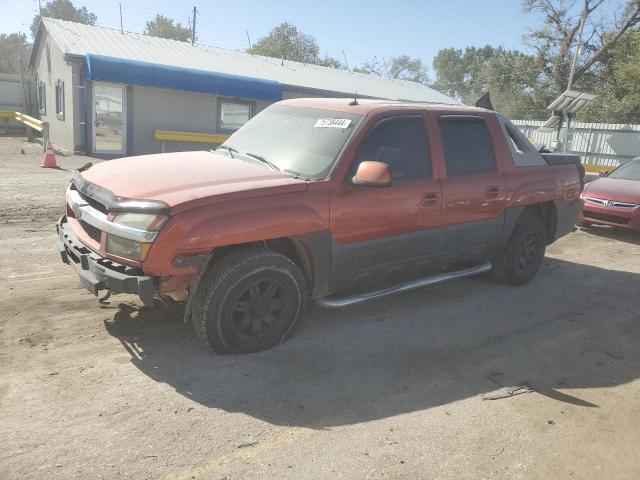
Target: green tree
[[13, 47], [556, 38], [164, 27], [288, 43], [64, 10], [402, 67], [518, 83], [617, 84]]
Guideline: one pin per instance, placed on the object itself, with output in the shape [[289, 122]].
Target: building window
[[42, 98], [232, 115], [60, 100]]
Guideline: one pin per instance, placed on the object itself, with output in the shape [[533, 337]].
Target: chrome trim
[[85, 212], [610, 203], [423, 282]]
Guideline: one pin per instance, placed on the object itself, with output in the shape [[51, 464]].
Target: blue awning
[[133, 72]]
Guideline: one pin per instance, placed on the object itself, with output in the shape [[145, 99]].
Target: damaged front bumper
[[99, 273]]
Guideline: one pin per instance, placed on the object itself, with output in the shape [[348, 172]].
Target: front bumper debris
[[98, 273]]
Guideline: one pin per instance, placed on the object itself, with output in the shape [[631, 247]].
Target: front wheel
[[250, 300], [525, 253]]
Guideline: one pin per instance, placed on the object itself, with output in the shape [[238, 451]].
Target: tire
[[525, 253], [250, 300]]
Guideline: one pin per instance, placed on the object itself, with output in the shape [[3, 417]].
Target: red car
[[614, 199], [333, 200]]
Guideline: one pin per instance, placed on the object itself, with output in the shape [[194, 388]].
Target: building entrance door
[[109, 119]]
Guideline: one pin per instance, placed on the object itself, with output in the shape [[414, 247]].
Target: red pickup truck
[[334, 200]]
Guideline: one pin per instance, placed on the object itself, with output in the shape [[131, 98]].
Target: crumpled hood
[[614, 189], [176, 178]]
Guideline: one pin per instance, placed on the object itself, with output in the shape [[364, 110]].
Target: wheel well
[[547, 213], [284, 246]]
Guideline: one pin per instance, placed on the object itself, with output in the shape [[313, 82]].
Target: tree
[[617, 84], [288, 43], [399, 68], [64, 10], [556, 39], [164, 27], [13, 47], [518, 82], [626, 75]]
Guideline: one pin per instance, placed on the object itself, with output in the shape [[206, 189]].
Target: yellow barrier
[[30, 122], [597, 168], [171, 136]]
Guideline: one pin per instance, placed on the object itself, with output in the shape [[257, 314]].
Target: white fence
[[601, 144]]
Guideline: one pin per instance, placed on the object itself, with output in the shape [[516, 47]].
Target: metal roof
[[79, 40]]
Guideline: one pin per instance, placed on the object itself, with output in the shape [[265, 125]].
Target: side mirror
[[603, 173], [372, 174]]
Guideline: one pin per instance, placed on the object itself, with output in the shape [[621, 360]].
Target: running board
[[423, 282]]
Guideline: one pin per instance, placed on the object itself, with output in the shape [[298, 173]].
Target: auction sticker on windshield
[[332, 123]]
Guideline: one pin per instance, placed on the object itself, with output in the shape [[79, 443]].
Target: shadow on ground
[[573, 327], [613, 233]]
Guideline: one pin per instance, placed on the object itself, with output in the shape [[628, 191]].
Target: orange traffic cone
[[49, 158]]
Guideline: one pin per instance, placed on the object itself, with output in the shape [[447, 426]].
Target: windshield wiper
[[263, 160], [296, 175], [230, 150]]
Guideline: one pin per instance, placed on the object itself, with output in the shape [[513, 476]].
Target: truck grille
[[606, 218], [94, 203], [93, 232]]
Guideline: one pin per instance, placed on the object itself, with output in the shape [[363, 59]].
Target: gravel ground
[[468, 380]]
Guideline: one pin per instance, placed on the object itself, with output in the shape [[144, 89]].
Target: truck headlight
[[123, 247], [146, 226], [142, 221]]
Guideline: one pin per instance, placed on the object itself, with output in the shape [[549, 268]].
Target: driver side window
[[401, 143]]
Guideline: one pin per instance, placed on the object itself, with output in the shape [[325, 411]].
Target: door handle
[[492, 192], [430, 199]]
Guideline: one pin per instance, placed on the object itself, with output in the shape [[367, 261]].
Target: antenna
[[193, 29], [355, 100], [384, 62], [121, 29], [346, 62]]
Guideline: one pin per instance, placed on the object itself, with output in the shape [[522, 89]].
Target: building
[[11, 99], [105, 93]]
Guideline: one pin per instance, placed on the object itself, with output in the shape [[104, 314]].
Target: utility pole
[[248, 39], [121, 29], [193, 27], [576, 54]]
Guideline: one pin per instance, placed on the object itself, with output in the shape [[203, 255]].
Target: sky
[[362, 28]]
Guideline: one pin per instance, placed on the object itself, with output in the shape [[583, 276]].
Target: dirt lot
[[468, 380]]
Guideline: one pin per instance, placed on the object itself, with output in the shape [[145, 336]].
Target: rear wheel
[[250, 300], [525, 252]]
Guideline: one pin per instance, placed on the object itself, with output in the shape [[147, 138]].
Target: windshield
[[628, 171], [303, 142]]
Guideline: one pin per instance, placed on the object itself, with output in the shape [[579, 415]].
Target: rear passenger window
[[401, 143], [467, 145], [515, 141]]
